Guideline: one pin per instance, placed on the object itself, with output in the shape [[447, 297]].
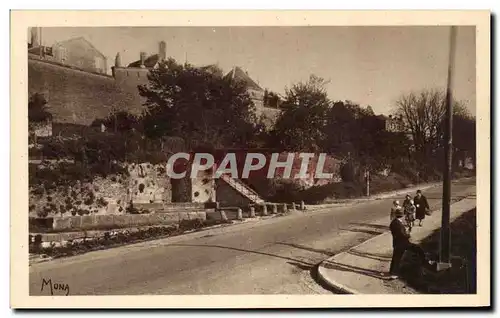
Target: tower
[[162, 51], [143, 59], [35, 41], [118, 60]]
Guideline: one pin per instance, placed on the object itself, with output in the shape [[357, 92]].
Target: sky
[[368, 65]]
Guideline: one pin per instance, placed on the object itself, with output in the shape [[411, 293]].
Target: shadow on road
[[377, 226], [366, 231], [300, 264], [246, 251], [310, 249]]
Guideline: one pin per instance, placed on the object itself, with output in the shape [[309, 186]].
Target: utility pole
[[445, 242], [367, 176], [40, 41]]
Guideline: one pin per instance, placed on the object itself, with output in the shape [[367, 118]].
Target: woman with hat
[[422, 206]]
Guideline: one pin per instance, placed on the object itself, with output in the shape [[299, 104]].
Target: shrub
[[42, 213], [338, 190], [89, 200], [186, 225], [101, 202], [40, 224], [285, 190], [348, 172], [131, 209]]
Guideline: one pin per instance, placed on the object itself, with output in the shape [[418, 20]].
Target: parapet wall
[[76, 96]]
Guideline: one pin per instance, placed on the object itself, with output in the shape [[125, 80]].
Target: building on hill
[[72, 76], [75, 52], [80, 53], [267, 114], [394, 123], [129, 77], [255, 91]]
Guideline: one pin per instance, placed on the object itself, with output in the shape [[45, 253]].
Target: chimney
[[143, 59], [118, 60], [34, 37], [162, 52]]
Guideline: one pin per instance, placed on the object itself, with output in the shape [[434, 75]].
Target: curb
[[340, 287], [333, 284]]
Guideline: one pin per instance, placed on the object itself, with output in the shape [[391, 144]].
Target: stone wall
[[123, 221], [148, 183], [76, 96], [110, 195], [203, 188]]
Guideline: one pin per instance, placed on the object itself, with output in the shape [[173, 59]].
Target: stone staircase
[[243, 189]]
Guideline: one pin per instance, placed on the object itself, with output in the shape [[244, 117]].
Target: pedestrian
[[394, 208], [401, 243], [422, 207], [409, 212]]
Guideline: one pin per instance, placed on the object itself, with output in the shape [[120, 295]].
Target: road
[[273, 256]]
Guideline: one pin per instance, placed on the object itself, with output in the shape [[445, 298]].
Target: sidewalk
[[378, 196], [361, 269]]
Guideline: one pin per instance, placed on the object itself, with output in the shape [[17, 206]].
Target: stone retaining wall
[[122, 221]]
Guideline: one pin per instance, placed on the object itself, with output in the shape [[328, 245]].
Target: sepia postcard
[[250, 159]]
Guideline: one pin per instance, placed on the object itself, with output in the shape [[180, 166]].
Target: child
[[395, 207], [410, 210]]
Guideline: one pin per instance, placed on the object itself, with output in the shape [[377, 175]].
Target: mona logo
[[57, 288]]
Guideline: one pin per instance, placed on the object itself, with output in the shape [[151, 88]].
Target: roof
[[150, 61], [35, 50], [238, 74], [80, 39], [37, 57]]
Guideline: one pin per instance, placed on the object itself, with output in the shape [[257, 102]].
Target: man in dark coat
[[422, 206], [401, 243]]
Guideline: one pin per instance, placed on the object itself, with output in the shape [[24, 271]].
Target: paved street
[[275, 256]]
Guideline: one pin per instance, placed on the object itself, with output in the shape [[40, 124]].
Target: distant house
[[152, 60], [257, 94], [394, 124], [80, 53], [255, 91], [76, 52]]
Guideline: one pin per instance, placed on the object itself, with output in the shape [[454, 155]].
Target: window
[[63, 54], [97, 63]]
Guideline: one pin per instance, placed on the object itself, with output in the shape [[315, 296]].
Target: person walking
[[401, 243], [409, 212], [422, 206], [395, 207]]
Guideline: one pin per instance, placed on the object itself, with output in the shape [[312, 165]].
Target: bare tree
[[421, 115]]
